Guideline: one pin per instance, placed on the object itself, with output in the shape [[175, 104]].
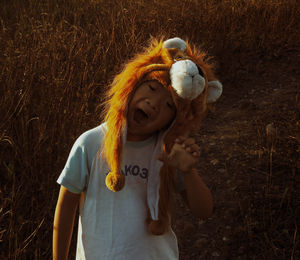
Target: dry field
[[56, 59]]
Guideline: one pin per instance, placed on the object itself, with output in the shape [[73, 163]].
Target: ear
[[176, 43], [215, 90]]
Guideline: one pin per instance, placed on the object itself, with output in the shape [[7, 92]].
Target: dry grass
[[270, 208], [57, 58]]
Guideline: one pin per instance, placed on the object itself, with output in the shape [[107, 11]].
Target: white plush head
[[186, 80]]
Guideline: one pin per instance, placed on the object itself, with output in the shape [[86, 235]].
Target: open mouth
[[140, 116]]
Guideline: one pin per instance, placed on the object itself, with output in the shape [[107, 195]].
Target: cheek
[[168, 117]]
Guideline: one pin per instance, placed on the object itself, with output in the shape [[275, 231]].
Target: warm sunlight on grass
[[57, 57]]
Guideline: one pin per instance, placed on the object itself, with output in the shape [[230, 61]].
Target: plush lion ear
[[215, 90], [176, 43]]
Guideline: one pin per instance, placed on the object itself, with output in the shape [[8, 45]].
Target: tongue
[[140, 116]]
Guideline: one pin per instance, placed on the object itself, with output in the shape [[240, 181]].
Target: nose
[[154, 103]]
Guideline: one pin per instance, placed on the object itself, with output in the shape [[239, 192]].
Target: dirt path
[[232, 142]]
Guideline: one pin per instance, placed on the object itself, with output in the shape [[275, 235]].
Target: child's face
[[150, 109]]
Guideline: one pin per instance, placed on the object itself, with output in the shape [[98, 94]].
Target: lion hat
[[191, 81]]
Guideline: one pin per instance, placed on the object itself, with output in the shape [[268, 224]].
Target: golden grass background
[[56, 59]]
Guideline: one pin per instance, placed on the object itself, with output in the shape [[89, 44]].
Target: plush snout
[[186, 80]]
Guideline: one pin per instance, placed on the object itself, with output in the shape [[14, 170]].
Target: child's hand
[[183, 155]]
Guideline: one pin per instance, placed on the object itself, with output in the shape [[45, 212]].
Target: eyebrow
[[155, 81]]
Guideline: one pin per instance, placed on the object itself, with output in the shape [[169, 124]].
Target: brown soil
[[247, 157]]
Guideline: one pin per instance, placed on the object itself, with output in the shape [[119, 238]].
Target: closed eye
[[152, 88], [170, 105], [179, 57]]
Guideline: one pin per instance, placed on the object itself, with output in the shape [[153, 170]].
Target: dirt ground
[[232, 137]]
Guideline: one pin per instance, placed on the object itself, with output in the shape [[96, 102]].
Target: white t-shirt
[[112, 225]]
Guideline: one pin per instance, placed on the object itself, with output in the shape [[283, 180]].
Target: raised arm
[[183, 156], [63, 223], [197, 195]]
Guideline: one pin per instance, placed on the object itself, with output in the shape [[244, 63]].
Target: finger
[[194, 148], [180, 139], [193, 152], [188, 142], [196, 154]]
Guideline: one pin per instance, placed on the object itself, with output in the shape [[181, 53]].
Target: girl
[[123, 172]]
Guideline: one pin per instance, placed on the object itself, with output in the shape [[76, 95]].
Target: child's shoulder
[[92, 137]]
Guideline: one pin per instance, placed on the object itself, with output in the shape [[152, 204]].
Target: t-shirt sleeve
[[76, 171]]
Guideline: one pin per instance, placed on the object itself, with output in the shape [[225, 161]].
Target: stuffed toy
[[191, 81]]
